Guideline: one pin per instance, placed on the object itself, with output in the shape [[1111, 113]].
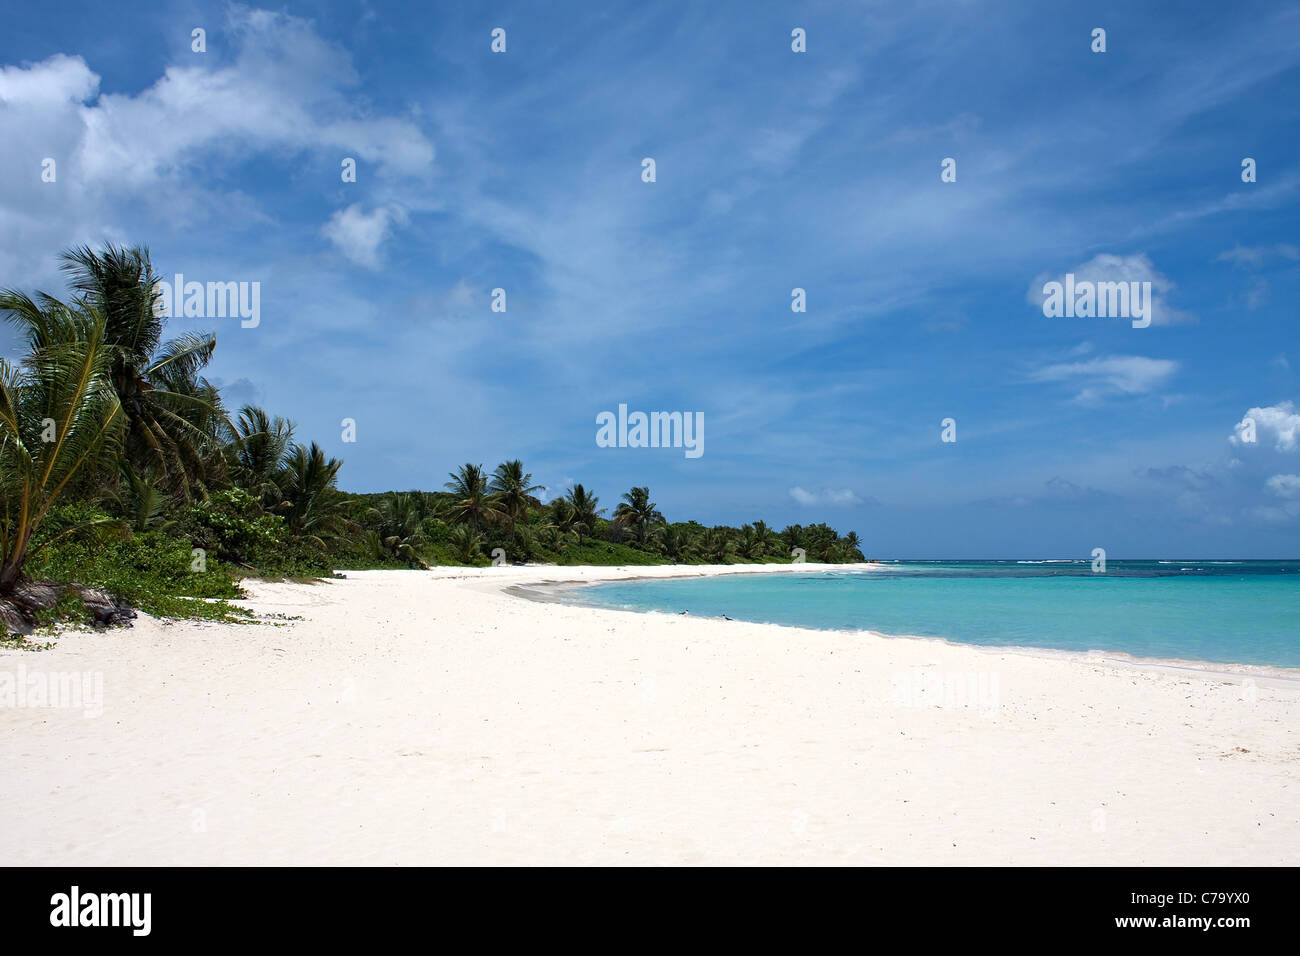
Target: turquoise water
[[1243, 612]]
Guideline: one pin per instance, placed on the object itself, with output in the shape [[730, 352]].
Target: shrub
[[152, 571]]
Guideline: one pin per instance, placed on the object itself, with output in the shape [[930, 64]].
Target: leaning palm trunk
[[59, 415], [173, 420]]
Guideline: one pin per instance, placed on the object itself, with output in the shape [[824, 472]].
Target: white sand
[[414, 717]]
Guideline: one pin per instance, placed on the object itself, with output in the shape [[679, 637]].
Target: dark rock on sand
[[18, 611]]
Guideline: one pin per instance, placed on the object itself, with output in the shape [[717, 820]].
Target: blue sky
[[774, 170]]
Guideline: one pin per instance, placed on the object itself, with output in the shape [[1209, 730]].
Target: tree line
[[110, 431]]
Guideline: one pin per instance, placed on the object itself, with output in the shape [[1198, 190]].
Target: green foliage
[[59, 417], [398, 529], [405, 529], [472, 504], [173, 414], [69, 607], [144, 466], [467, 544], [512, 491], [232, 526], [637, 511], [606, 554], [151, 571]]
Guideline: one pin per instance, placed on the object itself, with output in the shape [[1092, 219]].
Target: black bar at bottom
[[333, 906]]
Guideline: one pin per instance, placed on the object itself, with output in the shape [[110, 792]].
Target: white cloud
[[1111, 268], [58, 81], [358, 235], [281, 90], [1257, 255], [552, 492], [1285, 486], [285, 90], [1109, 375], [1280, 421], [825, 497], [1286, 511]]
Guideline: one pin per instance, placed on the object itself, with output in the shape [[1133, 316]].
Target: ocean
[[1237, 612]]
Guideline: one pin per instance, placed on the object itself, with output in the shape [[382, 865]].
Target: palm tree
[[638, 510], [559, 524], [315, 507], [260, 451], [471, 503], [752, 544], [563, 516], [467, 543], [513, 494], [142, 503], [717, 545], [59, 416], [400, 519], [173, 415], [554, 537], [585, 512], [674, 542], [771, 541], [853, 545], [526, 540]]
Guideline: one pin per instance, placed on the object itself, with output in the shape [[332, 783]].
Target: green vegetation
[[465, 524], [150, 570], [125, 481]]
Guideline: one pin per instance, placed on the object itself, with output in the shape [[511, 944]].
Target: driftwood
[[18, 610]]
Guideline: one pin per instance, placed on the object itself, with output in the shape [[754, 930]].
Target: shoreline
[[548, 592], [412, 717]]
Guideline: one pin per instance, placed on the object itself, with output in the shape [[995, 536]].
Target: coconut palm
[[259, 451], [853, 545], [471, 504], [511, 489], [400, 520], [771, 541], [315, 507], [560, 525], [752, 544], [552, 536], [207, 467], [717, 546], [585, 512], [674, 542], [59, 416], [563, 516], [638, 511], [143, 503], [527, 538], [173, 415], [467, 543]]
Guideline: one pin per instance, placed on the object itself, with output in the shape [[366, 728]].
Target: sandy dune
[[410, 717]]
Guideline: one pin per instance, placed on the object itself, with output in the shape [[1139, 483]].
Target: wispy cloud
[[811, 173], [1108, 376], [1255, 256], [1285, 486], [826, 497]]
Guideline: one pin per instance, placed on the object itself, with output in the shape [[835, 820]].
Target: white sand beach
[[433, 718]]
